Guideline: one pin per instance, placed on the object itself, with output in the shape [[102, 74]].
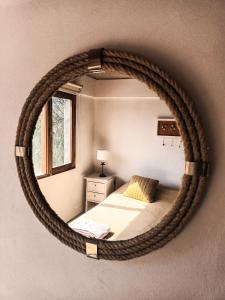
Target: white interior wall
[[121, 88], [126, 115], [128, 129], [65, 192]]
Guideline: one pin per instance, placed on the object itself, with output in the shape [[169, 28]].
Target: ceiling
[[108, 75]]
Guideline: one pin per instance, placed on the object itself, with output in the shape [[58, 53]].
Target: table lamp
[[102, 156]]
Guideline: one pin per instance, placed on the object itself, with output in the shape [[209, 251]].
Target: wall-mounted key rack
[[167, 127]]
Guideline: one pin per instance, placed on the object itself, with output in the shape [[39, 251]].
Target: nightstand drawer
[[95, 197], [96, 187]]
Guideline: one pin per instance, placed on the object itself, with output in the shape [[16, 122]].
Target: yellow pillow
[[141, 188]]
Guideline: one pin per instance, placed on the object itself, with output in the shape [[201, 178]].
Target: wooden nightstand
[[97, 189]]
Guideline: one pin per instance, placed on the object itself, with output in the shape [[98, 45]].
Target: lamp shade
[[102, 155]]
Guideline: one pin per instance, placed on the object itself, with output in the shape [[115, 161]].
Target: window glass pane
[[61, 131], [37, 147]]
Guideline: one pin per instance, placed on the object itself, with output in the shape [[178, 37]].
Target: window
[[53, 144]]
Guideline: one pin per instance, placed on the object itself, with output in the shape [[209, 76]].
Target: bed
[[128, 217]]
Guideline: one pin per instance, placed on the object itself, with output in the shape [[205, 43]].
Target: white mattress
[[128, 217]]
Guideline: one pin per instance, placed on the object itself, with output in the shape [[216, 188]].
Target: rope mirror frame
[[192, 133]]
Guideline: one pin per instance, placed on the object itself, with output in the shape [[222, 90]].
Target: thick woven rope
[[195, 148]]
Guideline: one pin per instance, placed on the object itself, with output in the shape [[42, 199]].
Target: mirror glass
[[108, 156]]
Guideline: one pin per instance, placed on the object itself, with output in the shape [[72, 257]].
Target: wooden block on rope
[[197, 168], [95, 60], [20, 151], [92, 249]]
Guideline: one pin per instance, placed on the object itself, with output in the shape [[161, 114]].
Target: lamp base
[[102, 175]]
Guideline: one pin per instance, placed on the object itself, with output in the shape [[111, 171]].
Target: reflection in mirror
[[108, 156], [54, 136]]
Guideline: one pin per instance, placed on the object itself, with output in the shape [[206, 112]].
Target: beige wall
[[65, 192], [187, 39]]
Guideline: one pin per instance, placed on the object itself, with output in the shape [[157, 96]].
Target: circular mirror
[[111, 154]]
